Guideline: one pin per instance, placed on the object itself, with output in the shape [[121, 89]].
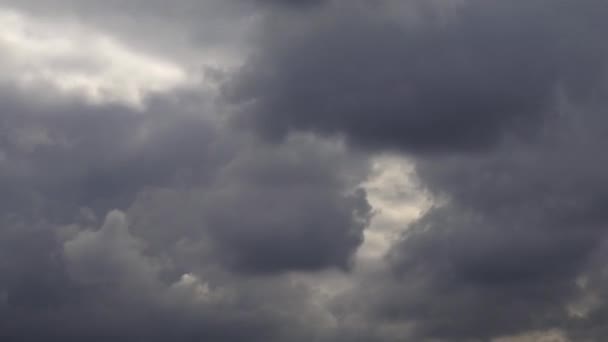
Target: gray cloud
[[269, 209], [75, 155], [462, 80], [177, 260], [513, 243], [275, 208], [513, 92], [240, 217], [112, 287]]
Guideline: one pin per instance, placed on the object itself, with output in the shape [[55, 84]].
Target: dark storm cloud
[[216, 230], [420, 80], [272, 203], [73, 155], [287, 209], [520, 230], [523, 220], [103, 284], [178, 267], [272, 209]]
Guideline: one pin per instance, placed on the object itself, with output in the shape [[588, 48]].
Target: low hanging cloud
[[516, 220], [462, 80], [303, 171]]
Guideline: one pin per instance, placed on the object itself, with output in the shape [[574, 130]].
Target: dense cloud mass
[[463, 80], [323, 170]]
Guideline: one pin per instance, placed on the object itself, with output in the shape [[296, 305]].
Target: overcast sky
[[303, 170]]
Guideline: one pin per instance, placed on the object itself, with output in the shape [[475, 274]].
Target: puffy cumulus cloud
[[109, 256]]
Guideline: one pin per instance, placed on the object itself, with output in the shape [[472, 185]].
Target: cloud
[[303, 171], [61, 157], [510, 243], [114, 286], [110, 256], [171, 256], [270, 208], [440, 78], [73, 60]]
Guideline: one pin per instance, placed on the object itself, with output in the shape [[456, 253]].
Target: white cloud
[[398, 201], [76, 61]]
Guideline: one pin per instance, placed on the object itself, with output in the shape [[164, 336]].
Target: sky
[[303, 170]]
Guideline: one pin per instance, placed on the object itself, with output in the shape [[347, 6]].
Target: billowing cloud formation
[[269, 210], [459, 78], [516, 220], [278, 211], [303, 171]]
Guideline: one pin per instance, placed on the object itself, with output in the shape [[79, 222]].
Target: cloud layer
[[303, 170]]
